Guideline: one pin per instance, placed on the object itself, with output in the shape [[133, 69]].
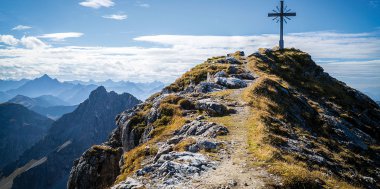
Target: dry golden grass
[[223, 93], [263, 97], [184, 144], [196, 75]]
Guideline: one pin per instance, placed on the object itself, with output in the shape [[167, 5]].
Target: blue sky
[[176, 17], [159, 40]]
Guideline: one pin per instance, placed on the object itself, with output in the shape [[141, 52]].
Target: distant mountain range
[[45, 85], [6, 85], [43, 101], [47, 105], [72, 92], [139, 90], [47, 164], [20, 129]]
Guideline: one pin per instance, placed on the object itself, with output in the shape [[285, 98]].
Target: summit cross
[[281, 14]]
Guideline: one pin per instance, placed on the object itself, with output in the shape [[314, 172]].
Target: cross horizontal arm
[[290, 14], [274, 14]]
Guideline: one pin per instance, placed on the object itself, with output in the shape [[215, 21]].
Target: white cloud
[[28, 42], [318, 44], [97, 3], [61, 36], [21, 27], [356, 53], [9, 40], [116, 16], [144, 5], [32, 43]]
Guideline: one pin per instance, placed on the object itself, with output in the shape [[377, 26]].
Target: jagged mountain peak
[[45, 77], [286, 123], [67, 139], [98, 92]]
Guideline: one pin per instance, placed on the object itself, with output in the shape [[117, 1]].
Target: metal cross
[[281, 15]]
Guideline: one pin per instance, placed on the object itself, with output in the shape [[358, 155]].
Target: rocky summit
[[273, 119], [47, 163]]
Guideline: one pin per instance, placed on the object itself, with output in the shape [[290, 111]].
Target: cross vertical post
[[282, 14], [282, 26]]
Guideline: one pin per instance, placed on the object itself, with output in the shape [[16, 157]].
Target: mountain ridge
[[73, 92], [46, 105], [273, 119]]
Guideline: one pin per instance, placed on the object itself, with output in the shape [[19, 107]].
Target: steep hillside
[[54, 112], [67, 139], [20, 128], [4, 97], [273, 119], [46, 105]]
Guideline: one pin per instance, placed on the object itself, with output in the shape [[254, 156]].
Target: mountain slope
[[273, 119], [54, 112], [68, 138], [42, 101], [4, 97], [20, 128], [47, 105]]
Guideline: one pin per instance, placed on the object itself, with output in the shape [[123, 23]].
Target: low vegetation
[[275, 111], [199, 72]]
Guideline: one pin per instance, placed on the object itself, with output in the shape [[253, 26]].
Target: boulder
[[221, 74], [231, 83], [237, 53], [202, 128], [206, 145], [207, 87], [232, 60], [164, 149], [243, 76], [130, 183], [212, 108], [232, 70]]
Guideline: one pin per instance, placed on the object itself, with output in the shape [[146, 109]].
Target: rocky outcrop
[[172, 166], [231, 83], [98, 165], [211, 107], [201, 128], [206, 87]]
